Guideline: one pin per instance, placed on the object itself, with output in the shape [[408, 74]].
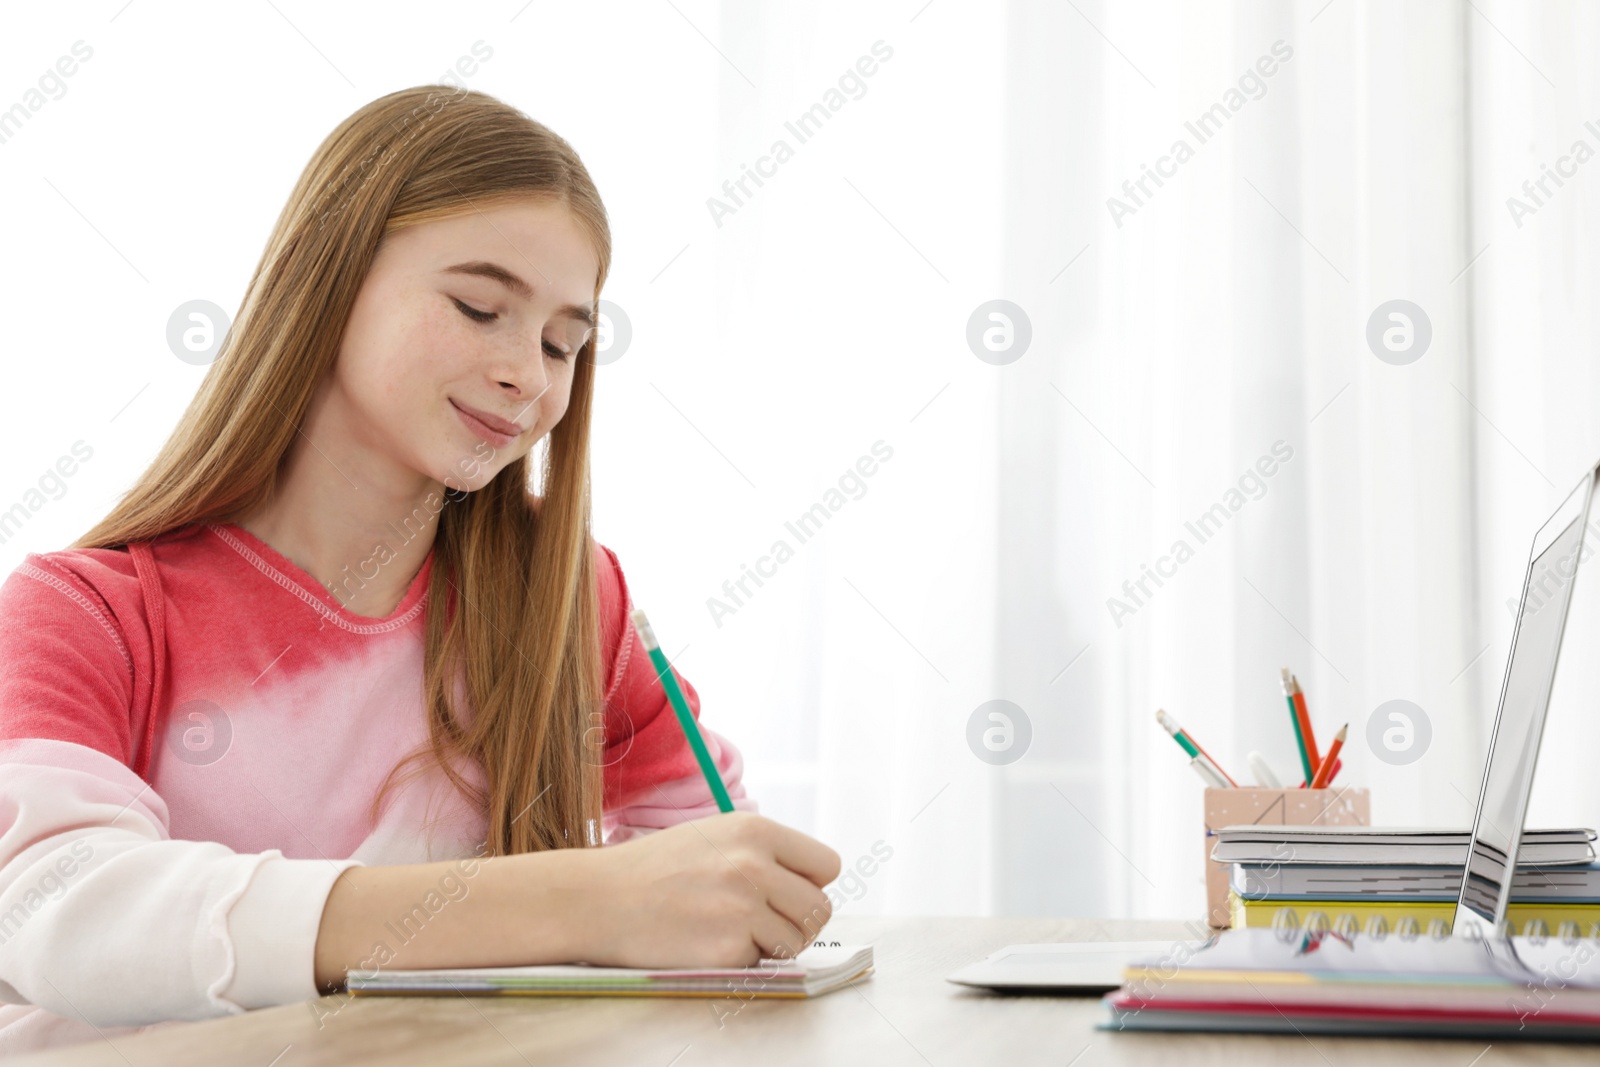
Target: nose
[[524, 381]]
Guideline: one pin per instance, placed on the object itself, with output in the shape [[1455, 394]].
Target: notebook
[[1256, 981], [1288, 882], [1267, 845], [817, 970], [1387, 915], [1564, 900]]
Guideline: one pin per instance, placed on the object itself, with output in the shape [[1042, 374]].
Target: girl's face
[[459, 352]]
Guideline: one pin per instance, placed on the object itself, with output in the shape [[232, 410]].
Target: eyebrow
[[495, 272]]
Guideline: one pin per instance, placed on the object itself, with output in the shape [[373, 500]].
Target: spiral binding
[[1288, 926]]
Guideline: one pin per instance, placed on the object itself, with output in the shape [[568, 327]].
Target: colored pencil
[[1191, 746], [1313, 751], [1309, 771], [691, 729], [1325, 772], [1312, 748]]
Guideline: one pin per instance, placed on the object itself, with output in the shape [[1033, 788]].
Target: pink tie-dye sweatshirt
[[192, 734]]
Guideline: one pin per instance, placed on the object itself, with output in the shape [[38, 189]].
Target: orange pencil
[[1325, 772], [1311, 739], [1305, 722]]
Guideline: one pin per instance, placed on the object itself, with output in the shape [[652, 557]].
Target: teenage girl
[[334, 686]]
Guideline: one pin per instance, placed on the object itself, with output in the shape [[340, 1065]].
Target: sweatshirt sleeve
[[104, 917], [652, 779]]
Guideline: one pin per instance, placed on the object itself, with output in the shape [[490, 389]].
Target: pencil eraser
[[646, 634]]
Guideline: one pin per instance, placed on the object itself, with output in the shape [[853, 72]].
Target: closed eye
[[553, 351], [473, 313]]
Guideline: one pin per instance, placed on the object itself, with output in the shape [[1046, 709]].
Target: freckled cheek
[[429, 364], [409, 388], [434, 348]]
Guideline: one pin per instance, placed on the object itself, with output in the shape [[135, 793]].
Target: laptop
[[1097, 967], [1519, 721]]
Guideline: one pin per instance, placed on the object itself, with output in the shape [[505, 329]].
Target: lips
[[504, 427]]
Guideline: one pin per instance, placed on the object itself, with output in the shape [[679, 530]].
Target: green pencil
[[1299, 737], [691, 729]]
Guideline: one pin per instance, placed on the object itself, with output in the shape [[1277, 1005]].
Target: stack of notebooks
[[817, 970], [1256, 981], [1377, 880]]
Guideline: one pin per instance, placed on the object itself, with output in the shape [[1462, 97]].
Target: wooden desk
[[905, 1014]]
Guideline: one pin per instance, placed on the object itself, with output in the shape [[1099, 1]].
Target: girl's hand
[[717, 892], [724, 891]]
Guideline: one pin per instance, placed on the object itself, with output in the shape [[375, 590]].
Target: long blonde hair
[[512, 609]]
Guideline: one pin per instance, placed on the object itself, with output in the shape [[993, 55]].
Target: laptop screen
[[1519, 723]]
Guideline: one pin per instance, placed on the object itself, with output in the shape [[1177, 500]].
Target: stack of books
[[1403, 879]]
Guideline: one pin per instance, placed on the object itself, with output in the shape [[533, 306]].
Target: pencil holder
[[1272, 807]]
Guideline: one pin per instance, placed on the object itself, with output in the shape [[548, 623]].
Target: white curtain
[[805, 346], [1535, 110], [1230, 312], [1174, 347], [1211, 349]]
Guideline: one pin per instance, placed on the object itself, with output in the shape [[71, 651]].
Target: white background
[[829, 312]]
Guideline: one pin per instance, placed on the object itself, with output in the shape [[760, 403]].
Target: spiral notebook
[[1545, 900], [1410, 917], [1262, 981], [817, 970]]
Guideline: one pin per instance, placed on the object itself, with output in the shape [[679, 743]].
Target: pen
[[1325, 772], [691, 729], [1197, 754], [1299, 731]]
